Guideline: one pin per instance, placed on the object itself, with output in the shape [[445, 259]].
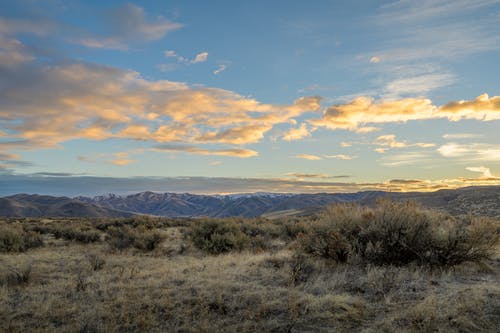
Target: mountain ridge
[[484, 200]]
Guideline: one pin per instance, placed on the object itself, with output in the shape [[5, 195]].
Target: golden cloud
[[121, 158], [97, 102], [234, 152], [308, 157], [356, 114], [297, 133], [389, 141]]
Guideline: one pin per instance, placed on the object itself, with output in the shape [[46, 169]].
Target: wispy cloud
[[117, 159], [221, 68], [471, 151], [340, 157], [315, 175], [485, 171], [126, 24], [407, 158], [308, 157], [389, 141], [419, 38], [121, 159], [458, 136], [418, 85], [200, 57], [233, 152]]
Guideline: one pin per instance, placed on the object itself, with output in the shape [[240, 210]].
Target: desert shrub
[[96, 261], [218, 236], [11, 240], [322, 241], [18, 276], [301, 269], [14, 239], [148, 241], [398, 234], [125, 237], [293, 228], [120, 238], [74, 234], [474, 239], [32, 239]]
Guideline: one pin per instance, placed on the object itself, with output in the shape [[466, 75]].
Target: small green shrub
[[218, 236]]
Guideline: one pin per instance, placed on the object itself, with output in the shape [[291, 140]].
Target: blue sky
[[288, 95]]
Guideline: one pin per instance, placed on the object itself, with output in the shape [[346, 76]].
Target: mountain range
[[469, 200]]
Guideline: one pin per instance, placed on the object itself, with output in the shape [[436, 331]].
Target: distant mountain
[[476, 200], [470, 200], [26, 205]]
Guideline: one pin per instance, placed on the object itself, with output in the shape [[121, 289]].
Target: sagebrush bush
[[96, 261], [218, 236], [398, 234], [82, 236], [321, 241], [14, 239], [124, 237], [292, 229]]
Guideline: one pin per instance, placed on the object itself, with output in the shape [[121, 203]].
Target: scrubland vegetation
[[392, 268]]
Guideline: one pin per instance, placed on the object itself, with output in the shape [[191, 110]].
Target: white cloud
[[170, 54], [200, 57], [418, 85], [339, 157], [220, 69], [485, 171], [457, 136], [407, 158], [375, 59], [471, 152]]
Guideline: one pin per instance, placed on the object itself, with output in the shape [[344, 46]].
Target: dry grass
[[67, 285]]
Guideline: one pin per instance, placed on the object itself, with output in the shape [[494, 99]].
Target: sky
[[248, 96]]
